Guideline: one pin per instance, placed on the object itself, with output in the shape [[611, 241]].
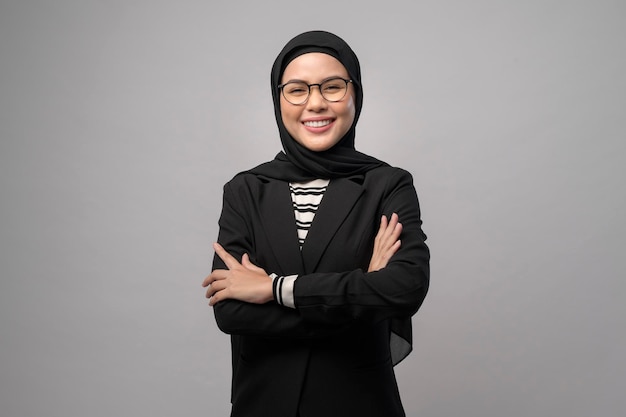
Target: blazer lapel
[[279, 225], [338, 201]]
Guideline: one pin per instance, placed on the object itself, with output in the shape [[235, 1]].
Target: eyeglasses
[[298, 92]]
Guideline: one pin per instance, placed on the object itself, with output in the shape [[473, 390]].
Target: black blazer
[[331, 355]]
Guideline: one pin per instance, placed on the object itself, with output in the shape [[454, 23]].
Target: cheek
[[289, 116], [350, 109], [349, 112], [285, 115]]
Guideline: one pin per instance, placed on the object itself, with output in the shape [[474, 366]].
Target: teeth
[[317, 123]]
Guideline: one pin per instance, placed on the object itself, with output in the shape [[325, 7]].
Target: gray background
[[121, 120]]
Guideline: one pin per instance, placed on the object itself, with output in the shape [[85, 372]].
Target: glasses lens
[[296, 92], [335, 89]]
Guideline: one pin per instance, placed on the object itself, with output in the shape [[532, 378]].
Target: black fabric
[[296, 163], [332, 356]]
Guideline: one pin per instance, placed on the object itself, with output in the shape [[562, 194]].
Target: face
[[318, 125]]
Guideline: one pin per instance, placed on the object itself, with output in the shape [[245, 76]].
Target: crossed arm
[[250, 283]]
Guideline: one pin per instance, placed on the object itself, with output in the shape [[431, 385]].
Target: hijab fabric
[[296, 162]]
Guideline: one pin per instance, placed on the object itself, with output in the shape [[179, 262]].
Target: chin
[[318, 145]]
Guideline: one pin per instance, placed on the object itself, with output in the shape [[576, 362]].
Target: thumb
[[245, 261]]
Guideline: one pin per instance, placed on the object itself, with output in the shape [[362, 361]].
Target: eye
[[296, 89], [333, 86]]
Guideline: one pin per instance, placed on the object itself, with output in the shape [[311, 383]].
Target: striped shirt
[[306, 198]]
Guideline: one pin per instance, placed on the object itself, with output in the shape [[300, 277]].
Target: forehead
[[314, 66]]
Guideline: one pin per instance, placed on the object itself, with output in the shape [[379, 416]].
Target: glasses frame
[[319, 86]]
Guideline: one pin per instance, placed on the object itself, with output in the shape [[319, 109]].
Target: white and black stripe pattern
[[282, 289], [277, 288], [306, 198]]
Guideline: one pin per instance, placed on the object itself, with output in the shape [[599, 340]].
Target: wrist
[[268, 295]]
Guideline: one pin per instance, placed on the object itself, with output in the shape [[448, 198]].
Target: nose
[[315, 102]]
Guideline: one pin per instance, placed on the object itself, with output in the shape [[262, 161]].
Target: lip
[[318, 129]]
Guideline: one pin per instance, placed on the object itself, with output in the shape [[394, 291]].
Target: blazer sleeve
[[238, 317], [329, 302], [396, 291]]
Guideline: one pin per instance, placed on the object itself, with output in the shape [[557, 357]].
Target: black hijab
[[297, 163]]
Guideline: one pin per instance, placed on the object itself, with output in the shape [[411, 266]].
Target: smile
[[317, 123]]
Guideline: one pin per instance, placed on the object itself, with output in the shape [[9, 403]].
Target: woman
[[312, 281]]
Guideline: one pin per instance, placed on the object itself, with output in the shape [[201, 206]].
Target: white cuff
[[282, 288]]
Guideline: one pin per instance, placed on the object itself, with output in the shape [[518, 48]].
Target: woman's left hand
[[386, 243], [241, 281]]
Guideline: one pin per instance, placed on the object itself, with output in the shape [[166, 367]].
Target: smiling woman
[[314, 276], [317, 118]]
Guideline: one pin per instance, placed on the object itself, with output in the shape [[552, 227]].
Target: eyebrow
[[332, 77]]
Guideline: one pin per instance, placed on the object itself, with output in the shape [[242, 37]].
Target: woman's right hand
[[241, 281], [386, 243]]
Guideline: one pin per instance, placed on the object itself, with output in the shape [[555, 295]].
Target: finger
[[206, 281], [397, 231], [381, 228], [394, 248], [214, 288], [390, 236], [216, 298], [393, 221], [386, 257], [389, 226], [228, 259], [383, 223], [215, 275], [219, 296]]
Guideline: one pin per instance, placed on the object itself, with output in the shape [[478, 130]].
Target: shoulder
[[388, 176], [388, 170], [248, 178], [242, 179], [247, 185]]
